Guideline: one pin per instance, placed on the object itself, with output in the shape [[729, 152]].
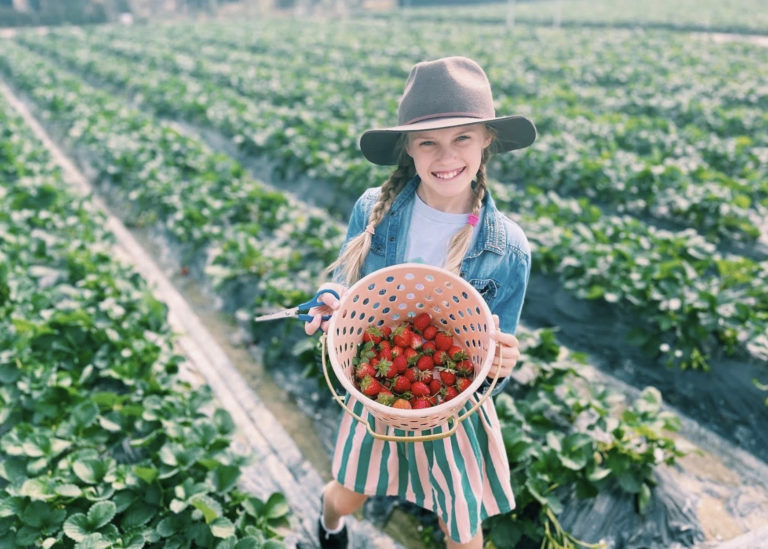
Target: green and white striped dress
[[463, 478]]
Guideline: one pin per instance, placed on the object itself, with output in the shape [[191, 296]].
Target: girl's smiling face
[[447, 161]]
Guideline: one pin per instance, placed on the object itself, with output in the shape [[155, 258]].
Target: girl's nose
[[447, 152]]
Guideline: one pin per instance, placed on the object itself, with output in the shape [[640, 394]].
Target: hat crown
[[445, 88]]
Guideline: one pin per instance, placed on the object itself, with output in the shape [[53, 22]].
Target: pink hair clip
[[472, 219]]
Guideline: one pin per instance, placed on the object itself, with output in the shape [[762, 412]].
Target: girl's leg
[[475, 543], [339, 501]]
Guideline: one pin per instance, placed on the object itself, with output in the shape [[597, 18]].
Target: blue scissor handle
[[315, 302]]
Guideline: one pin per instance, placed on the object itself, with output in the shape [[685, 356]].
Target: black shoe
[[339, 540]]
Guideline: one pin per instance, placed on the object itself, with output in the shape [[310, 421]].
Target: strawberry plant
[[103, 444]]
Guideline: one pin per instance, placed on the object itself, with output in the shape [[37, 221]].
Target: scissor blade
[[285, 313]]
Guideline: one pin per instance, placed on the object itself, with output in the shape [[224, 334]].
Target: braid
[[459, 245], [353, 256]]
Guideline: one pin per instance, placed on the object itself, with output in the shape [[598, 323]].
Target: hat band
[[443, 115]]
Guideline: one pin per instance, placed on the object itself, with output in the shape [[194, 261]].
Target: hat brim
[[512, 132]]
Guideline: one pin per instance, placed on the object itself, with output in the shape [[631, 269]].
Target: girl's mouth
[[447, 175]]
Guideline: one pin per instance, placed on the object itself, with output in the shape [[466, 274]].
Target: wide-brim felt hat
[[446, 93]]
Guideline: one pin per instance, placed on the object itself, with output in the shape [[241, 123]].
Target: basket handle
[[453, 421]]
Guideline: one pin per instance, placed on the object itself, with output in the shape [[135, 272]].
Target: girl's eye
[[463, 137], [426, 143]]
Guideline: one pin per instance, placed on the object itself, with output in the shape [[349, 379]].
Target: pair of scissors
[[297, 312]]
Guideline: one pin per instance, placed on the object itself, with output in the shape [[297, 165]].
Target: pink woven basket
[[391, 295]]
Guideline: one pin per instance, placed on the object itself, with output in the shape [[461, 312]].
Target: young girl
[[434, 208]]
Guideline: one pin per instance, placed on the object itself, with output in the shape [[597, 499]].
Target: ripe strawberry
[[412, 374], [386, 368], [401, 336], [462, 383], [386, 331], [465, 367], [419, 388], [364, 369], [420, 403], [450, 392], [397, 351], [430, 332], [385, 353], [443, 340], [421, 321], [416, 341], [456, 353], [402, 404], [370, 386], [372, 333], [448, 376], [440, 357], [412, 355], [428, 347], [401, 384], [434, 386], [385, 397], [400, 363], [425, 363]]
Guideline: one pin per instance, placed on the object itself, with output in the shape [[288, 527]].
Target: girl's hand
[[510, 352], [331, 304]]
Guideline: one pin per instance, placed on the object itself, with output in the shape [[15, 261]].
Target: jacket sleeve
[[510, 303]]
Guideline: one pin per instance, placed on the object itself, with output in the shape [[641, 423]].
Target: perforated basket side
[[394, 294]]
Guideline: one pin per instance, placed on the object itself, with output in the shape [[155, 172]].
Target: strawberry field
[[645, 198]]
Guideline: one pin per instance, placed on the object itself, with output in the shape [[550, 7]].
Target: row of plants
[[263, 247], [740, 16], [694, 300], [102, 442], [678, 158], [596, 437]]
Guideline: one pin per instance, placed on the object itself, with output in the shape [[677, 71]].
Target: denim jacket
[[498, 264]]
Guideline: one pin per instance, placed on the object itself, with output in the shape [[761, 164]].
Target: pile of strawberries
[[415, 365]]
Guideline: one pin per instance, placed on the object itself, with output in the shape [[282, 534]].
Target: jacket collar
[[492, 236]]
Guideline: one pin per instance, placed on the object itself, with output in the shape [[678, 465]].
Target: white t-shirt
[[430, 233]]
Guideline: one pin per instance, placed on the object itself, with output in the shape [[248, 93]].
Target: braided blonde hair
[[353, 256]]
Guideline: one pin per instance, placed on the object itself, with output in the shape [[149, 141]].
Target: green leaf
[[643, 498], [224, 422], [630, 482], [210, 508], [86, 470], [36, 489], [225, 477], [222, 527], [277, 506], [101, 513], [76, 527], [68, 490], [85, 413], [13, 469], [167, 527], [138, 514], [147, 474], [11, 507], [248, 542]]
